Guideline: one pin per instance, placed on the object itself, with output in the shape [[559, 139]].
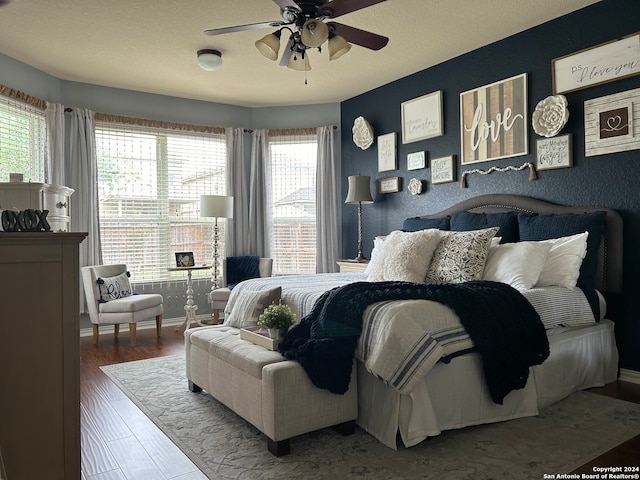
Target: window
[[149, 186], [23, 139], [293, 162]]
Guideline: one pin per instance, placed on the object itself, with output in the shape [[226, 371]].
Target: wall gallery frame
[[416, 161], [602, 63], [611, 123], [493, 121], [554, 152], [422, 117], [387, 159], [389, 185], [443, 169]]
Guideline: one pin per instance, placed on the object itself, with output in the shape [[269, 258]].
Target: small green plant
[[276, 316]]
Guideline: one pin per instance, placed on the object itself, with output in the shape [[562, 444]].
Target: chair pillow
[[111, 288], [405, 256], [249, 306], [460, 256], [517, 264], [240, 268]]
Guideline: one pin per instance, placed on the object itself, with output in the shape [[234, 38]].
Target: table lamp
[[359, 192]]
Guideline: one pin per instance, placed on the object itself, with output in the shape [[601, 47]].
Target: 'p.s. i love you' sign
[[493, 121]]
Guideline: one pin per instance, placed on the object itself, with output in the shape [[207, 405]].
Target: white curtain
[[54, 168], [84, 180], [259, 207], [327, 226], [238, 242]]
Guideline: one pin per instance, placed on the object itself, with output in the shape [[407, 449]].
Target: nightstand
[[351, 266]]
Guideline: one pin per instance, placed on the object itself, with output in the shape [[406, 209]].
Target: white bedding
[[433, 396]]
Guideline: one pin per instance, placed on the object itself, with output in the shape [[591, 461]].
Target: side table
[[190, 307], [349, 266]]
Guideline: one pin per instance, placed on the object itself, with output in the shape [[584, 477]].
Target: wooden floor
[[119, 442]]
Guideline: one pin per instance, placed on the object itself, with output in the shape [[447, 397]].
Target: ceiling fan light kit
[[269, 45], [299, 61], [308, 30], [338, 46], [209, 59], [314, 33]]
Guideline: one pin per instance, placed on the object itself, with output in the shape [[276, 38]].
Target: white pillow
[[461, 256], [378, 243], [405, 256], [249, 306], [517, 264], [562, 267], [112, 288]]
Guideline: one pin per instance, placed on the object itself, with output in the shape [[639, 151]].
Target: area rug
[[224, 446]]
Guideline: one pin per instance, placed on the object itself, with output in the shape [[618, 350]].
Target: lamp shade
[[209, 60], [359, 190], [269, 45], [298, 62], [314, 33], [218, 206], [338, 46]]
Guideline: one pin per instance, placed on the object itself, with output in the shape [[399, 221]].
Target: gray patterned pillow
[[249, 305], [460, 256]]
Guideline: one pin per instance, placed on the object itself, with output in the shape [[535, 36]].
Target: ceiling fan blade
[[286, 55], [363, 38], [342, 7], [242, 28]]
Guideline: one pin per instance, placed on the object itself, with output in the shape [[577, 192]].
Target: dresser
[[39, 355], [39, 196]]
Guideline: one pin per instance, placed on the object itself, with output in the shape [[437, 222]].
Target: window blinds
[[292, 162], [149, 186], [23, 139]]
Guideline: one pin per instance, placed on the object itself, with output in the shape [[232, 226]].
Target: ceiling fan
[[304, 20]]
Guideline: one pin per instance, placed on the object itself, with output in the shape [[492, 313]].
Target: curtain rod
[[250, 130]]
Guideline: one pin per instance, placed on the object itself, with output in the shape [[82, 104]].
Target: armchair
[[219, 297], [111, 301]]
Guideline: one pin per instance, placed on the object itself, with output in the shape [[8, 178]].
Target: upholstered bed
[[446, 387]]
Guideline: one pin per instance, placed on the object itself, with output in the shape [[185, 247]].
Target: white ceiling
[[150, 45]]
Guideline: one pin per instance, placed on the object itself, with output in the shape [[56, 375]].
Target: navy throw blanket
[[241, 268], [503, 325]]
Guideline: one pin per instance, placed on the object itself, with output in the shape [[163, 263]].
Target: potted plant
[[277, 318]]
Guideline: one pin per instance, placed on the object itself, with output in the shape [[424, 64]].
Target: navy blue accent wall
[[607, 180]]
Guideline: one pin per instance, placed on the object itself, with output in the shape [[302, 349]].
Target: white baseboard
[[631, 376], [166, 322]]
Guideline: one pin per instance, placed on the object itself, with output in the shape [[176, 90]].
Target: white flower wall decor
[[550, 115], [362, 133]]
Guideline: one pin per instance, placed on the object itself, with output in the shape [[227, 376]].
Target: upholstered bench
[[272, 393]]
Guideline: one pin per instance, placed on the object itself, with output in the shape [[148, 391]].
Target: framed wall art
[[389, 185], [602, 63], [443, 169], [611, 123], [493, 121], [554, 152], [422, 117], [387, 152], [416, 161]]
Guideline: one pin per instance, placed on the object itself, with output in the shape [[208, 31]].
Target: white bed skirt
[[454, 395]]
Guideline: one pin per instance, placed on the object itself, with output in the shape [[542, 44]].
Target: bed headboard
[[609, 273]]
